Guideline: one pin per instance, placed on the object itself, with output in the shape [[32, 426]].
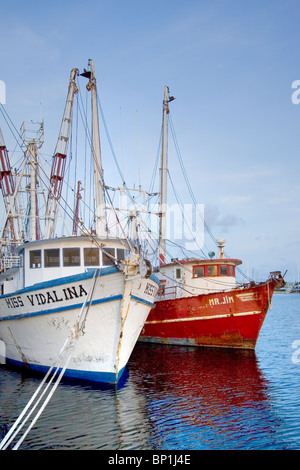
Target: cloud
[[225, 222], [235, 199]]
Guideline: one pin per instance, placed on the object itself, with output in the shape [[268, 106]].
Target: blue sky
[[230, 65]]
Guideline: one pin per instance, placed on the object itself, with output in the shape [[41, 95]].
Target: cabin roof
[[91, 241], [203, 262]]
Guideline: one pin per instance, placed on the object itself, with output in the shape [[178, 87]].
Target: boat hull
[[231, 319], [36, 321]]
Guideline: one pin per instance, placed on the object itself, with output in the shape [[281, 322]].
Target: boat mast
[[32, 137], [98, 171], [76, 212], [59, 159], [7, 184], [163, 178], [32, 151]]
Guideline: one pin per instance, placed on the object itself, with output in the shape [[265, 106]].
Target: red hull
[[231, 319]]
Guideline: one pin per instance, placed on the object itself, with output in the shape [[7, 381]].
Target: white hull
[[35, 322]]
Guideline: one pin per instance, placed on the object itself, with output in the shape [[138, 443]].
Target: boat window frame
[[30, 261], [230, 270], [85, 250], [111, 262], [198, 276], [71, 264], [223, 266], [216, 270], [46, 250], [125, 254], [178, 273]]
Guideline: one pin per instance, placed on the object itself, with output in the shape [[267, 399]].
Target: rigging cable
[[61, 364], [191, 191]]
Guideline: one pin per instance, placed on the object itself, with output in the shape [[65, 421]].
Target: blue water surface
[[178, 398]]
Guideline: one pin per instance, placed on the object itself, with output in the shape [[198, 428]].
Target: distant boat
[[287, 289], [77, 302], [295, 289], [199, 302]]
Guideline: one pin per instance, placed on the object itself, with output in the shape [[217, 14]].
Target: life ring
[[145, 268]]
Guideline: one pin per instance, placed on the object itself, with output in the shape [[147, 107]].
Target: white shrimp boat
[[79, 301]]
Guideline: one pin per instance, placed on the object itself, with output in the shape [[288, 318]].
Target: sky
[[230, 64]]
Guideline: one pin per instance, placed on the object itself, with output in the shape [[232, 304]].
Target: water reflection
[[210, 395], [170, 398]]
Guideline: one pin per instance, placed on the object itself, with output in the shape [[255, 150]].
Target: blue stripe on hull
[[71, 307], [59, 309], [62, 280], [92, 376], [68, 279]]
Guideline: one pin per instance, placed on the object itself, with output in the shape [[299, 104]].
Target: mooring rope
[[60, 363]]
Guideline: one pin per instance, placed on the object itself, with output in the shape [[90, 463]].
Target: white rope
[[44, 404], [269, 300], [11, 434], [60, 363]]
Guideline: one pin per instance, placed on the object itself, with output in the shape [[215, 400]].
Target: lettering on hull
[[49, 297], [225, 300]]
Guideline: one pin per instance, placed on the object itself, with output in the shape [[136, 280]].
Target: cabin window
[[162, 289], [212, 270], [91, 256], [35, 258], [51, 258], [178, 273], [1, 289], [71, 256], [231, 271], [198, 271], [223, 270], [121, 254], [108, 257]]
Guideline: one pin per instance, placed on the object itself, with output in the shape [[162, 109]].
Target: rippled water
[[178, 398]]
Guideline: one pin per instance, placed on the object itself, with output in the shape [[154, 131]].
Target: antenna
[[221, 242]]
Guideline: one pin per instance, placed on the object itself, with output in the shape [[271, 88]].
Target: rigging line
[[154, 240], [83, 114], [185, 175], [69, 345], [6, 117], [190, 188], [11, 125], [120, 225], [109, 140], [138, 145], [175, 193], [76, 154], [110, 144], [226, 287], [155, 164], [85, 161], [122, 148], [180, 205], [88, 144]]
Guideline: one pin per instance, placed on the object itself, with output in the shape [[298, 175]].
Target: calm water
[[178, 398]]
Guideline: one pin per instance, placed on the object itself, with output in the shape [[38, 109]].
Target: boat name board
[[150, 289], [226, 300], [48, 297]]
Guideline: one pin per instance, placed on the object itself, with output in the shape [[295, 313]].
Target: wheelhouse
[[194, 277], [45, 260]]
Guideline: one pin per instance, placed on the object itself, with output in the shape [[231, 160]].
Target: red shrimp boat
[[200, 302]]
